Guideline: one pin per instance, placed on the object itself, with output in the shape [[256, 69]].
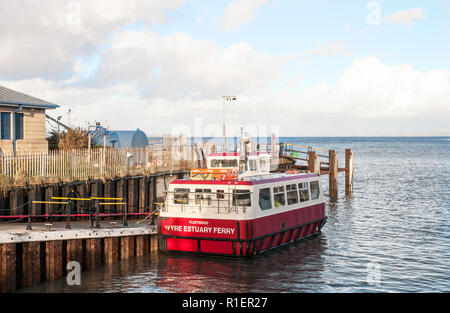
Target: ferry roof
[[251, 180]]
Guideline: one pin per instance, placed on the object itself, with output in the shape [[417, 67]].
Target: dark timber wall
[[140, 192]]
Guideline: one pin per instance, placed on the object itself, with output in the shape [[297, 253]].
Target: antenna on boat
[[226, 98]]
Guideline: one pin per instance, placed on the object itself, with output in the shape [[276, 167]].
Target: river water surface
[[393, 235]]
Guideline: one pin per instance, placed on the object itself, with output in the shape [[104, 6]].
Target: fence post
[[125, 211], [69, 209], [91, 220], [97, 213], [29, 218]]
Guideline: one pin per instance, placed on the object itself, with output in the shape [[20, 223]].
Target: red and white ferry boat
[[237, 207]]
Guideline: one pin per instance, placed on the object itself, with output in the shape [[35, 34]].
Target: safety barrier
[[93, 211]]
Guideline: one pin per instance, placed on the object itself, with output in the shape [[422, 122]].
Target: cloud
[[330, 48], [185, 67], [370, 98], [57, 31], [239, 13], [405, 17]]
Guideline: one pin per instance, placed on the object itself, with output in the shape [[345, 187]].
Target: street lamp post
[[225, 98]]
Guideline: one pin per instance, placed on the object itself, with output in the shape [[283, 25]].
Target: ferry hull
[[240, 238]]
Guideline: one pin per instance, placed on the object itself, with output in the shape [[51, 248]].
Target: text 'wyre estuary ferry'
[[236, 207]]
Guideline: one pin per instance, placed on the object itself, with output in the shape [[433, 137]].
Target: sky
[[297, 68]]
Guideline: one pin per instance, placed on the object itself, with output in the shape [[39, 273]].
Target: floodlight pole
[[225, 98]]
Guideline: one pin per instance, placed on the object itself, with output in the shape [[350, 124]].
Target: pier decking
[[28, 257]]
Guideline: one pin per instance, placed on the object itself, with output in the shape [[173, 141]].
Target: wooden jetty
[[321, 161]]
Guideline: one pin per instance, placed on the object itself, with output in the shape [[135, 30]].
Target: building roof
[[11, 97]]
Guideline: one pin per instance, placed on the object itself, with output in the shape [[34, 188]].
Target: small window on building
[[6, 125], [263, 165], [203, 196], [253, 165], [291, 192], [278, 196], [181, 196], [220, 194], [18, 124], [265, 202], [303, 191], [315, 190], [241, 198]]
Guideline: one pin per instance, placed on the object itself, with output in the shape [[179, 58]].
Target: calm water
[[391, 236]]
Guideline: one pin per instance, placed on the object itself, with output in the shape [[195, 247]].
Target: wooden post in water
[[313, 162], [349, 168], [333, 176]]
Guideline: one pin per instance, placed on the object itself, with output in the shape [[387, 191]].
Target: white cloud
[[330, 48], [186, 67], [405, 17], [370, 98], [41, 38], [239, 13]]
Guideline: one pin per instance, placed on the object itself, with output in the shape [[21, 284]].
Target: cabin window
[[265, 203], [241, 198], [203, 196], [6, 125], [291, 192], [303, 191], [181, 196], [253, 165], [278, 196], [223, 163], [220, 194], [315, 191]]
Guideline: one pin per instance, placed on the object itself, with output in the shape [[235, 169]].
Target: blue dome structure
[[121, 138]]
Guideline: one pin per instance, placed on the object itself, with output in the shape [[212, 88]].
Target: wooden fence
[[85, 164]]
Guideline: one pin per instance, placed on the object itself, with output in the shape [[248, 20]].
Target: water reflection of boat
[[290, 269]]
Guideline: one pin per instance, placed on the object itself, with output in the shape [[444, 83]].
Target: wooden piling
[[93, 253], [133, 195], [349, 169], [142, 245], [313, 162], [31, 263], [36, 194], [7, 267], [16, 201], [74, 250], [143, 194], [154, 243], [333, 176], [127, 247], [152, 192], [111, 250], [121, 192], [53, 260]]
